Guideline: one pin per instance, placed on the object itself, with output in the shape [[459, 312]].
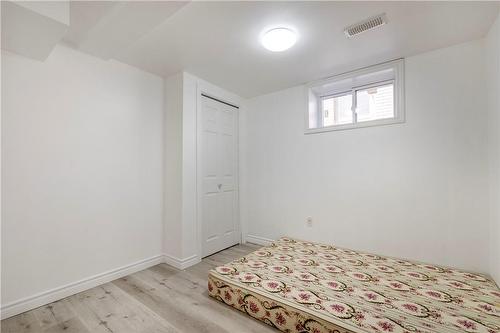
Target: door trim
[[204, 89]]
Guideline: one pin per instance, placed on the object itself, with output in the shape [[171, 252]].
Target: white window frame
[[399, 105]]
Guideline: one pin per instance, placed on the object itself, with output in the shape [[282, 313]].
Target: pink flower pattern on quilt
[[299, 286]]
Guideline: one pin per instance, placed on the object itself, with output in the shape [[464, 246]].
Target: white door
[[218, 172]]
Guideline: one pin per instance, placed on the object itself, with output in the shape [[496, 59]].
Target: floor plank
[[181, 312], [23, 323], [193, 287], [108, 309], [73, 325], [52, 314], [159, 299]]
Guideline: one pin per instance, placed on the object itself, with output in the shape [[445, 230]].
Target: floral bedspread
[[333, 289]]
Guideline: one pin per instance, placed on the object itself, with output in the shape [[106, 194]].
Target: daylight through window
[[368, 97]]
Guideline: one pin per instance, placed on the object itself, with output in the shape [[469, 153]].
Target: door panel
[[218, 192], [209, 150], [210, 215], [226, 120], [227, 157], [226, 202]]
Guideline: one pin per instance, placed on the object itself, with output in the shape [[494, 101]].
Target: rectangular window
[[368, 97]]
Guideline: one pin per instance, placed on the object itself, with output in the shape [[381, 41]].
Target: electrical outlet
[[309, 221]]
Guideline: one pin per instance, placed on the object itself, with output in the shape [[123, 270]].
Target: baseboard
[[35, 301], [258, 240], [181, 263]]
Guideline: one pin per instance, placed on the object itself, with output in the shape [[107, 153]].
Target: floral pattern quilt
[[299, 286]]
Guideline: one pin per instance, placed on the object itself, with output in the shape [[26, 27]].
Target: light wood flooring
[[158, 299]]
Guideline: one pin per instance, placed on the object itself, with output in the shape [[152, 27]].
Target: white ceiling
[[218, 41], [106, 29]]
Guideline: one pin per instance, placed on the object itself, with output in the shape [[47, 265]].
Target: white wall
[[416, 190], [172, 240], [190, 242], [180, 240], [81, 169], [492, 62]]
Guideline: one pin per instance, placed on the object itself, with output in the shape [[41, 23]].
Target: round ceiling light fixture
[[278, 39]]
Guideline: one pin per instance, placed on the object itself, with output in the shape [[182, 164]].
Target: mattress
[[298, 286]]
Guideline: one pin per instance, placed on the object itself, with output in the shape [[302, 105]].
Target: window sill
[[372, 123]]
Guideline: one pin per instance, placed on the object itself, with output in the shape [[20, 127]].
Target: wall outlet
[[309, 221]]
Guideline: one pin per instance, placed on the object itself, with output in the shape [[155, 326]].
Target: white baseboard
[[258, 240], [49, 296], [181, 263]]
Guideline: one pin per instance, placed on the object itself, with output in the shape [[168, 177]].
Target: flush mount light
[[279, 39]]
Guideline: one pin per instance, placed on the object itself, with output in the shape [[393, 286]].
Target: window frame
[[398, 99]]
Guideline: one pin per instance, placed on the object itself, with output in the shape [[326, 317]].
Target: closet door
[[218, 206]]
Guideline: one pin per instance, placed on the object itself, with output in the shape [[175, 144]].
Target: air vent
[[368, 24]]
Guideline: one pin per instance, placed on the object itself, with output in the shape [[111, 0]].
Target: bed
[[298, 286]]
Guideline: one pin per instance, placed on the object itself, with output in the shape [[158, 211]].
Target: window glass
[[375, 103], [337, 110]]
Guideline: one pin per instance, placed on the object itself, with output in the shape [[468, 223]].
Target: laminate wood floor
[[158, 299]]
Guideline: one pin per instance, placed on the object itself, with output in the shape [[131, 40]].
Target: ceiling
[[219, 41]]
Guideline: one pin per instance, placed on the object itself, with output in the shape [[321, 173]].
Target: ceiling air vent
[[368, 24]]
